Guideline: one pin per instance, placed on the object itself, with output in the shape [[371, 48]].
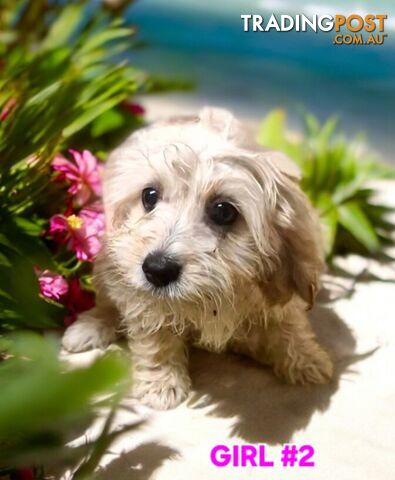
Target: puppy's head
[[195, 211]]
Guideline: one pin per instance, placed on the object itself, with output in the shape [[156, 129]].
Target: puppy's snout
[[160, 270]]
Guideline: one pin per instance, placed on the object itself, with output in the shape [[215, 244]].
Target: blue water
[[254, 72]]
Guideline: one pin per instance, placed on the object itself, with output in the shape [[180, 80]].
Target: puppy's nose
[[160, 269]]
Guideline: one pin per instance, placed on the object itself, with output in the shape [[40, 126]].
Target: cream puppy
[[209, 241]]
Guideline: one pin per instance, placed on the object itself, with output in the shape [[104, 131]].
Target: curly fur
[[245, 288]]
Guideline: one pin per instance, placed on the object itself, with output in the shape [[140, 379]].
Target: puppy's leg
[[160, 378], [95, 328], [289, 345]]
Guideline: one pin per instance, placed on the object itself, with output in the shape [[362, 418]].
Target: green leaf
[[64, 26], [29, 227], [326, 132], [4, 261], [109, 35], [312, 124], [43, 95], [90, 115], [353, 219], [46, 383], [330, 222], [26, 240], [108, 121], [44, 401], [272, 129], [348, 189]]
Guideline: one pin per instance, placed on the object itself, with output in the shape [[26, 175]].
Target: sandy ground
[[349, 423]]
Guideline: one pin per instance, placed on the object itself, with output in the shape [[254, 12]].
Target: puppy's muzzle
[[160, 269]]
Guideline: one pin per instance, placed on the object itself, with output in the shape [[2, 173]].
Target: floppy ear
[[300, 255], [225, 124]]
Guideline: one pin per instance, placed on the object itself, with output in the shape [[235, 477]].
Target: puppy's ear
[[225, 124], [299, 258]]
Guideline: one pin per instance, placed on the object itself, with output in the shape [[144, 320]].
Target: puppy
[[211, 241]]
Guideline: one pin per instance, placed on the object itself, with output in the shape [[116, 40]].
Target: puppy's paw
[[87, 333], [162, 394], [315, 368]]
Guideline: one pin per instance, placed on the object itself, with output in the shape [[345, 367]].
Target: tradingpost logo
[[351, 29]]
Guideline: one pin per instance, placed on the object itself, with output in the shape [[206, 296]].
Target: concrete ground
[[350, 423]]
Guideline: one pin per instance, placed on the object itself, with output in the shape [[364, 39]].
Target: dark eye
[[149, 197], [222, 213]]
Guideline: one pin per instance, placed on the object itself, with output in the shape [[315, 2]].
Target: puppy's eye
[[149, 197], [222, 213]]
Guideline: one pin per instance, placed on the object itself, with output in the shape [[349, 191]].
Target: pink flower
[[71, 295], [83, 175], [133, 108], [81, 233], [52, 285]]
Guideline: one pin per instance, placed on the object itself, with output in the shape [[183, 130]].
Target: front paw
[[87, 333], [163, 393], [303, 368]]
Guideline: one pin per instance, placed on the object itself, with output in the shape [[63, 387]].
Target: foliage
[[62, 86], [336, 176], [44, 404]]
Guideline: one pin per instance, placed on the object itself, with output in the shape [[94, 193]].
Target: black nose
[[160, 269]]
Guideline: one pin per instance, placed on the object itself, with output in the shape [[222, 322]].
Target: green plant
[[44, 404], [63, 85], [337, 176]]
